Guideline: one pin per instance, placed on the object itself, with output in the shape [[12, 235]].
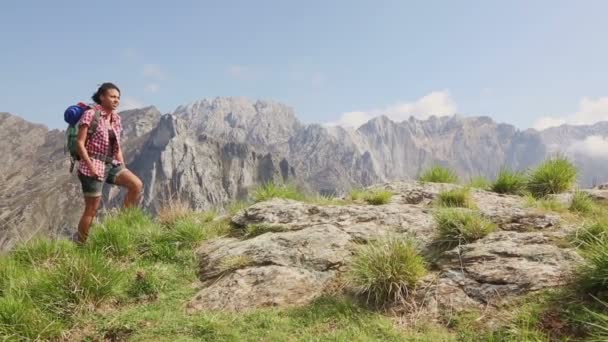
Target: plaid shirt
[[99, 142]]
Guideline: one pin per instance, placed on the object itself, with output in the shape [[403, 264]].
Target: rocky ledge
[[306, 248]]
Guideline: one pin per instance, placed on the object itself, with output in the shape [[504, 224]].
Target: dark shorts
[[92, 187]]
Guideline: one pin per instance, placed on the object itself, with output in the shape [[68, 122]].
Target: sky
[[530, 63]]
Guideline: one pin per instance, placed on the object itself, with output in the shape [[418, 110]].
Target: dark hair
[[102, 91]]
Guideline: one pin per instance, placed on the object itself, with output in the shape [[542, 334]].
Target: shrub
[[457, 226], [460, 197], [386, 269], [553, 176], [439, 174], [509, 182]]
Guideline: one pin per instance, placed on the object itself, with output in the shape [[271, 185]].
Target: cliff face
[[212, 151]]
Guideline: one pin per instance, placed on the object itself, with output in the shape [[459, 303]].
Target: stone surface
[[311, 246]]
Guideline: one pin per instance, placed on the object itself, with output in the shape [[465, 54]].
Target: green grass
[[378, 197], [552, 176], [253, 230], [593, 277], [370, 196], [547, 204], [480, 182], [21, 320], [88, 278], [509, 182], [386, 270], [458, 226], [438, 174], [459, 197], [598, 323], [271, 190], [582, 203], [234, 262], [591, 233]]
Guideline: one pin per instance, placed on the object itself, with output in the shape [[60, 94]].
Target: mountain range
[[213, 151]]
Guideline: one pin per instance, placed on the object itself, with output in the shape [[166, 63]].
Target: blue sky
[[332, 61]]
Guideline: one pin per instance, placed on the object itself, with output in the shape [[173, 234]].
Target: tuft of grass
[[439, 174], [594, 273], [253, 230], [11, 274], [85, 278], [357, 194], [271, 190], [172, 211], [591, 233], [374, 197], [598, 323], [145, 285], [552, 176], [460, 197], [547, 203], [378, 197], [386, 269], [21, 320], [582, 203], [458, 226], [234, 207], [234, 262], [480, 182], [120, 234], [510, 182], [43, 252]]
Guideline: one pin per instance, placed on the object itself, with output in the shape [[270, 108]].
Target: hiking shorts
[[92, 187]]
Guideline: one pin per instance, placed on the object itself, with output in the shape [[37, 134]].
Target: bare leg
[[134, 187], [90, 210]]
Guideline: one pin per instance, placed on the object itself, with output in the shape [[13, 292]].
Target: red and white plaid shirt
[[99, 143]]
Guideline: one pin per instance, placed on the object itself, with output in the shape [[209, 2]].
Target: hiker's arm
[[82, 151]]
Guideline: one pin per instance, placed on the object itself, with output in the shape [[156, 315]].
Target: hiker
[[100, 156]]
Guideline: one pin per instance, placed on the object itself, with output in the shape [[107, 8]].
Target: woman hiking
[[101, 158]]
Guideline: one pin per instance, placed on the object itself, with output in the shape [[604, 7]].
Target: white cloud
[[127, 103], [439, 103], [153, 71], [594, 146], [152, 88], [590, 111]]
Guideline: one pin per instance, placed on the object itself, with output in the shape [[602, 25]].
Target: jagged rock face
[[471, 146], [263, 124], [201, 170], [310, 247], [212, 151]]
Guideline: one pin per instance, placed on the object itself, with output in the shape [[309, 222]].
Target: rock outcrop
[[308, 247]]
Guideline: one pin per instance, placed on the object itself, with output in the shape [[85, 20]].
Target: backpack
[[72, 117]]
